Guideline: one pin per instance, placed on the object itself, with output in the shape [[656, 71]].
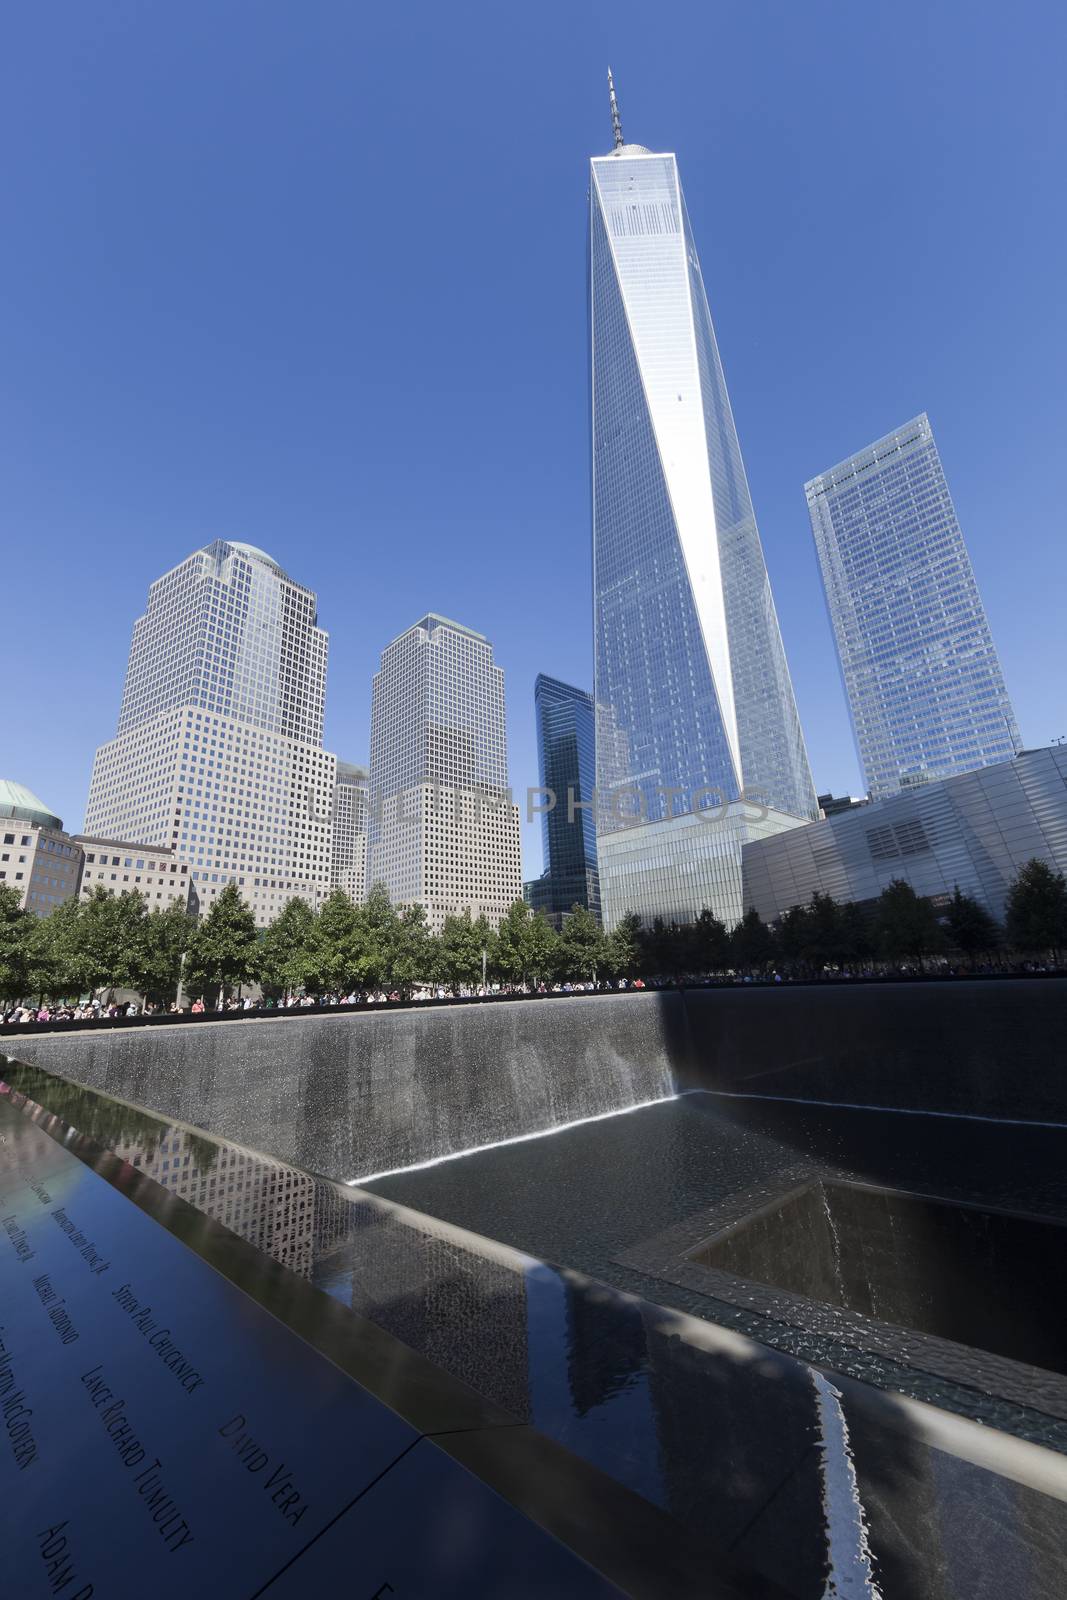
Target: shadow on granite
[[663, 1448]]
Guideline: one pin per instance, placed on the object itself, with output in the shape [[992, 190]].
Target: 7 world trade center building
[[924, 685], [698, 742]]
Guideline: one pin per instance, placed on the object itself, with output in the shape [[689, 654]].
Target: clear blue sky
[[313, 276]]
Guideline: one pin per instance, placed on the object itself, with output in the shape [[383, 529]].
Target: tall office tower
[[566, 762], [350, 832], [924, 685], [444, 832], [218, 754], [694, 702]]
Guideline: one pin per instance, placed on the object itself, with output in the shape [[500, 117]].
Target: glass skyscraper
[[924, 685], [694, 703], [567, 768]]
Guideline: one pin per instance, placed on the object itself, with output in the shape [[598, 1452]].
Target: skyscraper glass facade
[[694, 703], [924, 685], [566, 757]]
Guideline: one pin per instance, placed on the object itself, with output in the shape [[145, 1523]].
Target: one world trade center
[[698, 742]]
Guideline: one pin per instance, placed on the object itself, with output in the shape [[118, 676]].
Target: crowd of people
[[97, 1009], [108, 1007]]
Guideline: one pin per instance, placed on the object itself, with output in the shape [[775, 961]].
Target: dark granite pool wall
[[359, 1094], [994, 1048], [353, 1095]]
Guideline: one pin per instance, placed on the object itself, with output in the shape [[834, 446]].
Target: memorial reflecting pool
[[600, 1289]]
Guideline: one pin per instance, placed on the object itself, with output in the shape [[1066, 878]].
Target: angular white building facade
[[972, 832], [218, 755], [443, 830], [694, 701]]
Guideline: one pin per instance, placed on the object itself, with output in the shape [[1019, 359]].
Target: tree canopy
[[906, 925], [460, 946], [18, 946], [1037, 909], [223, 949], [583, 951], [752, 945], [284, 949], [970, 927], [108, 942]]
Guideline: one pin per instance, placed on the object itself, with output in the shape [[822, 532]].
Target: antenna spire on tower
[[616, 125]]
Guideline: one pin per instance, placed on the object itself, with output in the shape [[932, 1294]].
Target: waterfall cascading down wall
[[362, 1093], [366, 1092]]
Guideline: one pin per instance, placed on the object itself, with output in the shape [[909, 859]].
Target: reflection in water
[[589, 1378], [278, 1208], [108, 1122]]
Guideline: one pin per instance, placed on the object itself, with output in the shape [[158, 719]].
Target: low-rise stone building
[[37, 859]]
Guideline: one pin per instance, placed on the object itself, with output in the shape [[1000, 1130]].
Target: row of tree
[[900, 926], [117, 942]]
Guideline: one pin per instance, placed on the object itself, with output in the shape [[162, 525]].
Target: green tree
[[459, 951], [333, 960], [410, 955], [542, 950], [55, 951], [525, 946], [664, 946], [285, 948], [710, 943], [511, 943], [970, 926], [165, 936], [794, 937], [826, 933], [223, 948], [375, 938], [1037, 909], [107, 940], [86, 944], [906, 924], [857, 940], [394, 949], [18, 946], [582, 948], [822, 934], [128, 922], [752, 943], [623, 950]]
